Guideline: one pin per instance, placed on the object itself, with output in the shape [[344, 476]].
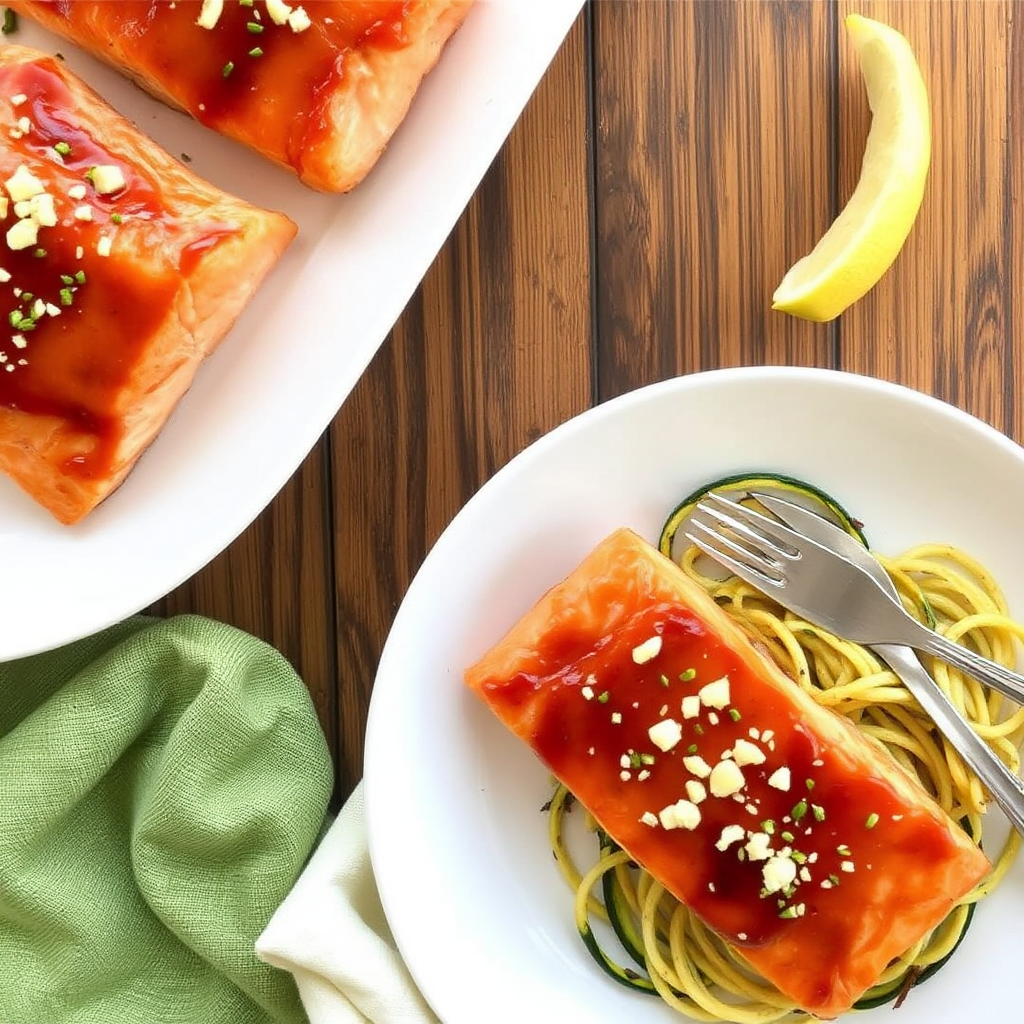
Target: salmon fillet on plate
[[319, 88], [783, 827], [120, 271]]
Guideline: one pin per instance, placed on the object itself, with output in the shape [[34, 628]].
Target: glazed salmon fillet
[[319, 88], [120, 271], [627, 654]]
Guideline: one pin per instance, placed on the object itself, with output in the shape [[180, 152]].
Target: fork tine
[[744, 563], [752, 538], [788, 541]]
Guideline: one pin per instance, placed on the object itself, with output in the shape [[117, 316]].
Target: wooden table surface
[[674, 161]]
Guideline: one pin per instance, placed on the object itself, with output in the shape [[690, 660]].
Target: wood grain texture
[[942, 319], [492, 352], [275, 581], [710, 182]]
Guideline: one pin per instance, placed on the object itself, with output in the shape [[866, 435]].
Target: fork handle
[[1006, 788], [1000, 679]]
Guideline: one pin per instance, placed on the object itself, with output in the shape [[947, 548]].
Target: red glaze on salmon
[[134, 271], [773, 819], [321, 95]]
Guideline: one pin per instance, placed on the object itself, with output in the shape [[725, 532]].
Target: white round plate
[[457, 839], [261, 401]]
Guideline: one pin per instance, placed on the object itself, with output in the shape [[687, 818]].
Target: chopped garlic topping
[[42, 210], [298, 20], [23, 184], [715, 694], [744, 752], [681, 814], [780, 779], [695, 791], [648, 650], [103, 245], [696, 765], [758, 847], [690, 706], [730, 834], [647, 818], [726, 779], [278, 11], [210, 14], [778, 873], [22, 234], [665, 734], [107, 179]]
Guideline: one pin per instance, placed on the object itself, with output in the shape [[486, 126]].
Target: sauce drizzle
[[593, 727], [70, 365]]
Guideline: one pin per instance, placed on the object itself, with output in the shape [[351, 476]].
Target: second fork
[[827, 588]]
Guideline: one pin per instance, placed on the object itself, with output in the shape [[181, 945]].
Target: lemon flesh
[[866, 237]]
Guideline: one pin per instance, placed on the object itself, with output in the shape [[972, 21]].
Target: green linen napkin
[[161, 786]]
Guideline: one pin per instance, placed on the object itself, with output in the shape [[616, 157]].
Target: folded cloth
[[161, 786], [332, 935]]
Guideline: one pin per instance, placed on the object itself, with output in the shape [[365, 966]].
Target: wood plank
[[714, 173], [942, 319], [275, 582], [492, 351], [1011, 143]]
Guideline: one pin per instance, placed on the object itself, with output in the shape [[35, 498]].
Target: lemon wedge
[[866, 237]]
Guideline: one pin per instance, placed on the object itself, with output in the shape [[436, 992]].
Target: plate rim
[[618, 406]]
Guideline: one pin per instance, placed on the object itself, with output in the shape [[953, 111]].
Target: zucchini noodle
[[689, 966]]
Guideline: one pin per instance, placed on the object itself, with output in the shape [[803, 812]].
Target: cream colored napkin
[[331, 933]]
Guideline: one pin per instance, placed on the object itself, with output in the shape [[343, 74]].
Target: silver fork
[[1005, 787], [826, 587]]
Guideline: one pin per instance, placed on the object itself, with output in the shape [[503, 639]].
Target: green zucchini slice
[[619, 915], [740, 483]]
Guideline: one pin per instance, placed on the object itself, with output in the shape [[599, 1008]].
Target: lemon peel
[[865, 239]]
